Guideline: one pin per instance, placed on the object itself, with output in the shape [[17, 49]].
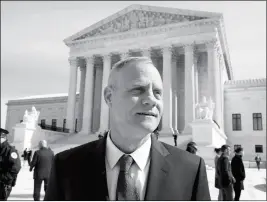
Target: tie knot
[[125, 162]]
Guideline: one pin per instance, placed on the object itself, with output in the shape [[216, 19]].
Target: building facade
[[189, 48]]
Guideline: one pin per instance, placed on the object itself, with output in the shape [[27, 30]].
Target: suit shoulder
[[182, 156], [76, 152]]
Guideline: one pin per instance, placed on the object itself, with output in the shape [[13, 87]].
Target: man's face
[[137, 103], [228, 151], [2, 139]]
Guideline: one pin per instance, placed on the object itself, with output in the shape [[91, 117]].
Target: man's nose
[[149, 100]]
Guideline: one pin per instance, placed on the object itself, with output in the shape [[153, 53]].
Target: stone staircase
[[71, 141]]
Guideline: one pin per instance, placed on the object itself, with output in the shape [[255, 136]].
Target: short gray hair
[[123, 63], [43, 144]]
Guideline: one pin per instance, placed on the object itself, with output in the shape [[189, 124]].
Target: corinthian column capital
[[107, 56], [166, 50], [73, 61], [90, 59], [214, 45], [211, 44]]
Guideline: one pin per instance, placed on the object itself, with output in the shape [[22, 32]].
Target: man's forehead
[[143, 81]]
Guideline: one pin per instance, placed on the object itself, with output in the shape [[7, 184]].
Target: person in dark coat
[[24, 156], [10, 166], [129, 163], [29, 156], [42, 163], [217, 185], [258, 161], [191, 147], [238, 171], [226, 179]]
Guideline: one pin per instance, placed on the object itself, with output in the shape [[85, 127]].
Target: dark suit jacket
[[224, 171], [174, 174], [42, 163], [217, 185], [238, 171]]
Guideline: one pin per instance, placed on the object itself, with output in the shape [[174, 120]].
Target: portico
[[187, 47]]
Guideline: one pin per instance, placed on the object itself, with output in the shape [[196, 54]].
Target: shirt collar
[[140, 155]]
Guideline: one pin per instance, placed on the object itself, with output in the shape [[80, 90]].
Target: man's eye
[[157, 92], [136, 91]]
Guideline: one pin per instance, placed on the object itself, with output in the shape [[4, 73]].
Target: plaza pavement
[[255, 185]]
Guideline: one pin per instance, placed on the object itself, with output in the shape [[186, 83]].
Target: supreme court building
[[189, 48]]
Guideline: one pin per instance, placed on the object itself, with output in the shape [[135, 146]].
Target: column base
[[187, 130], [166, 132], [166, 136], [167, 139]]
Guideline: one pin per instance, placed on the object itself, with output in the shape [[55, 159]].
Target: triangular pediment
[[140, 17]]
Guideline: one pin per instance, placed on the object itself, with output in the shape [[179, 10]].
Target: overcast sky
[[34, 59]]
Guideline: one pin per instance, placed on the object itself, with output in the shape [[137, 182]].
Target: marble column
[[214, 79], [174, 96], [104, 115], [196, 80], [88, 96], [167, 93], [72, 95], [81, 96], [189, 87]]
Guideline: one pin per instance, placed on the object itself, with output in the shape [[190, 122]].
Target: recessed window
[[64, 124], [258, 149], [54, 124], [42, 123], [236, 121], [257, 121]]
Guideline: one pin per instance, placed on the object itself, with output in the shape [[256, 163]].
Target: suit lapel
[[158, 171]]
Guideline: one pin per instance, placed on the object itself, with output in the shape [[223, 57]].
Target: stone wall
[[246, 101]]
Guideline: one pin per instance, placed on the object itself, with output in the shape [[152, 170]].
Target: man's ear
[[108, 96]]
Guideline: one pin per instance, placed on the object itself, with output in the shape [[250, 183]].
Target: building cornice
[[249, 83], [43, 100]]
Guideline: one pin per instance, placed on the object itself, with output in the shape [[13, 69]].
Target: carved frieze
[[138, 19]]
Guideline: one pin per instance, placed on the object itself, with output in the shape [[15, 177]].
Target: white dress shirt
[[141, 157]]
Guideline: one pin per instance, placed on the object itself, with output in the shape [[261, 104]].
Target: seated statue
[[204, 109], [31, 118]]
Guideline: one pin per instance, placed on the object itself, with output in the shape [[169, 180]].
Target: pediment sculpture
[[138, 19], [31, 118], [205, 109]]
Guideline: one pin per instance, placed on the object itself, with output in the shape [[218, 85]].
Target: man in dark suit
[[42, 163], [225, 175], [129, 163], [238, 171]]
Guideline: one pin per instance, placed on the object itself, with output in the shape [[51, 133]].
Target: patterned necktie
[[126, 187]]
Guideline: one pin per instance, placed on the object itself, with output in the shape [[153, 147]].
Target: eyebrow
[[142, 84]]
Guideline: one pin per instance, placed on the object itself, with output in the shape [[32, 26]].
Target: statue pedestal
[[23, 136], [207, 136]]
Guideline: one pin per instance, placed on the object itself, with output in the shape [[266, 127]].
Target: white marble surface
[[24, 188]]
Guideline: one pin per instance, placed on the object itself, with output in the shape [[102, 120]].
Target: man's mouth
[[147, 114]]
